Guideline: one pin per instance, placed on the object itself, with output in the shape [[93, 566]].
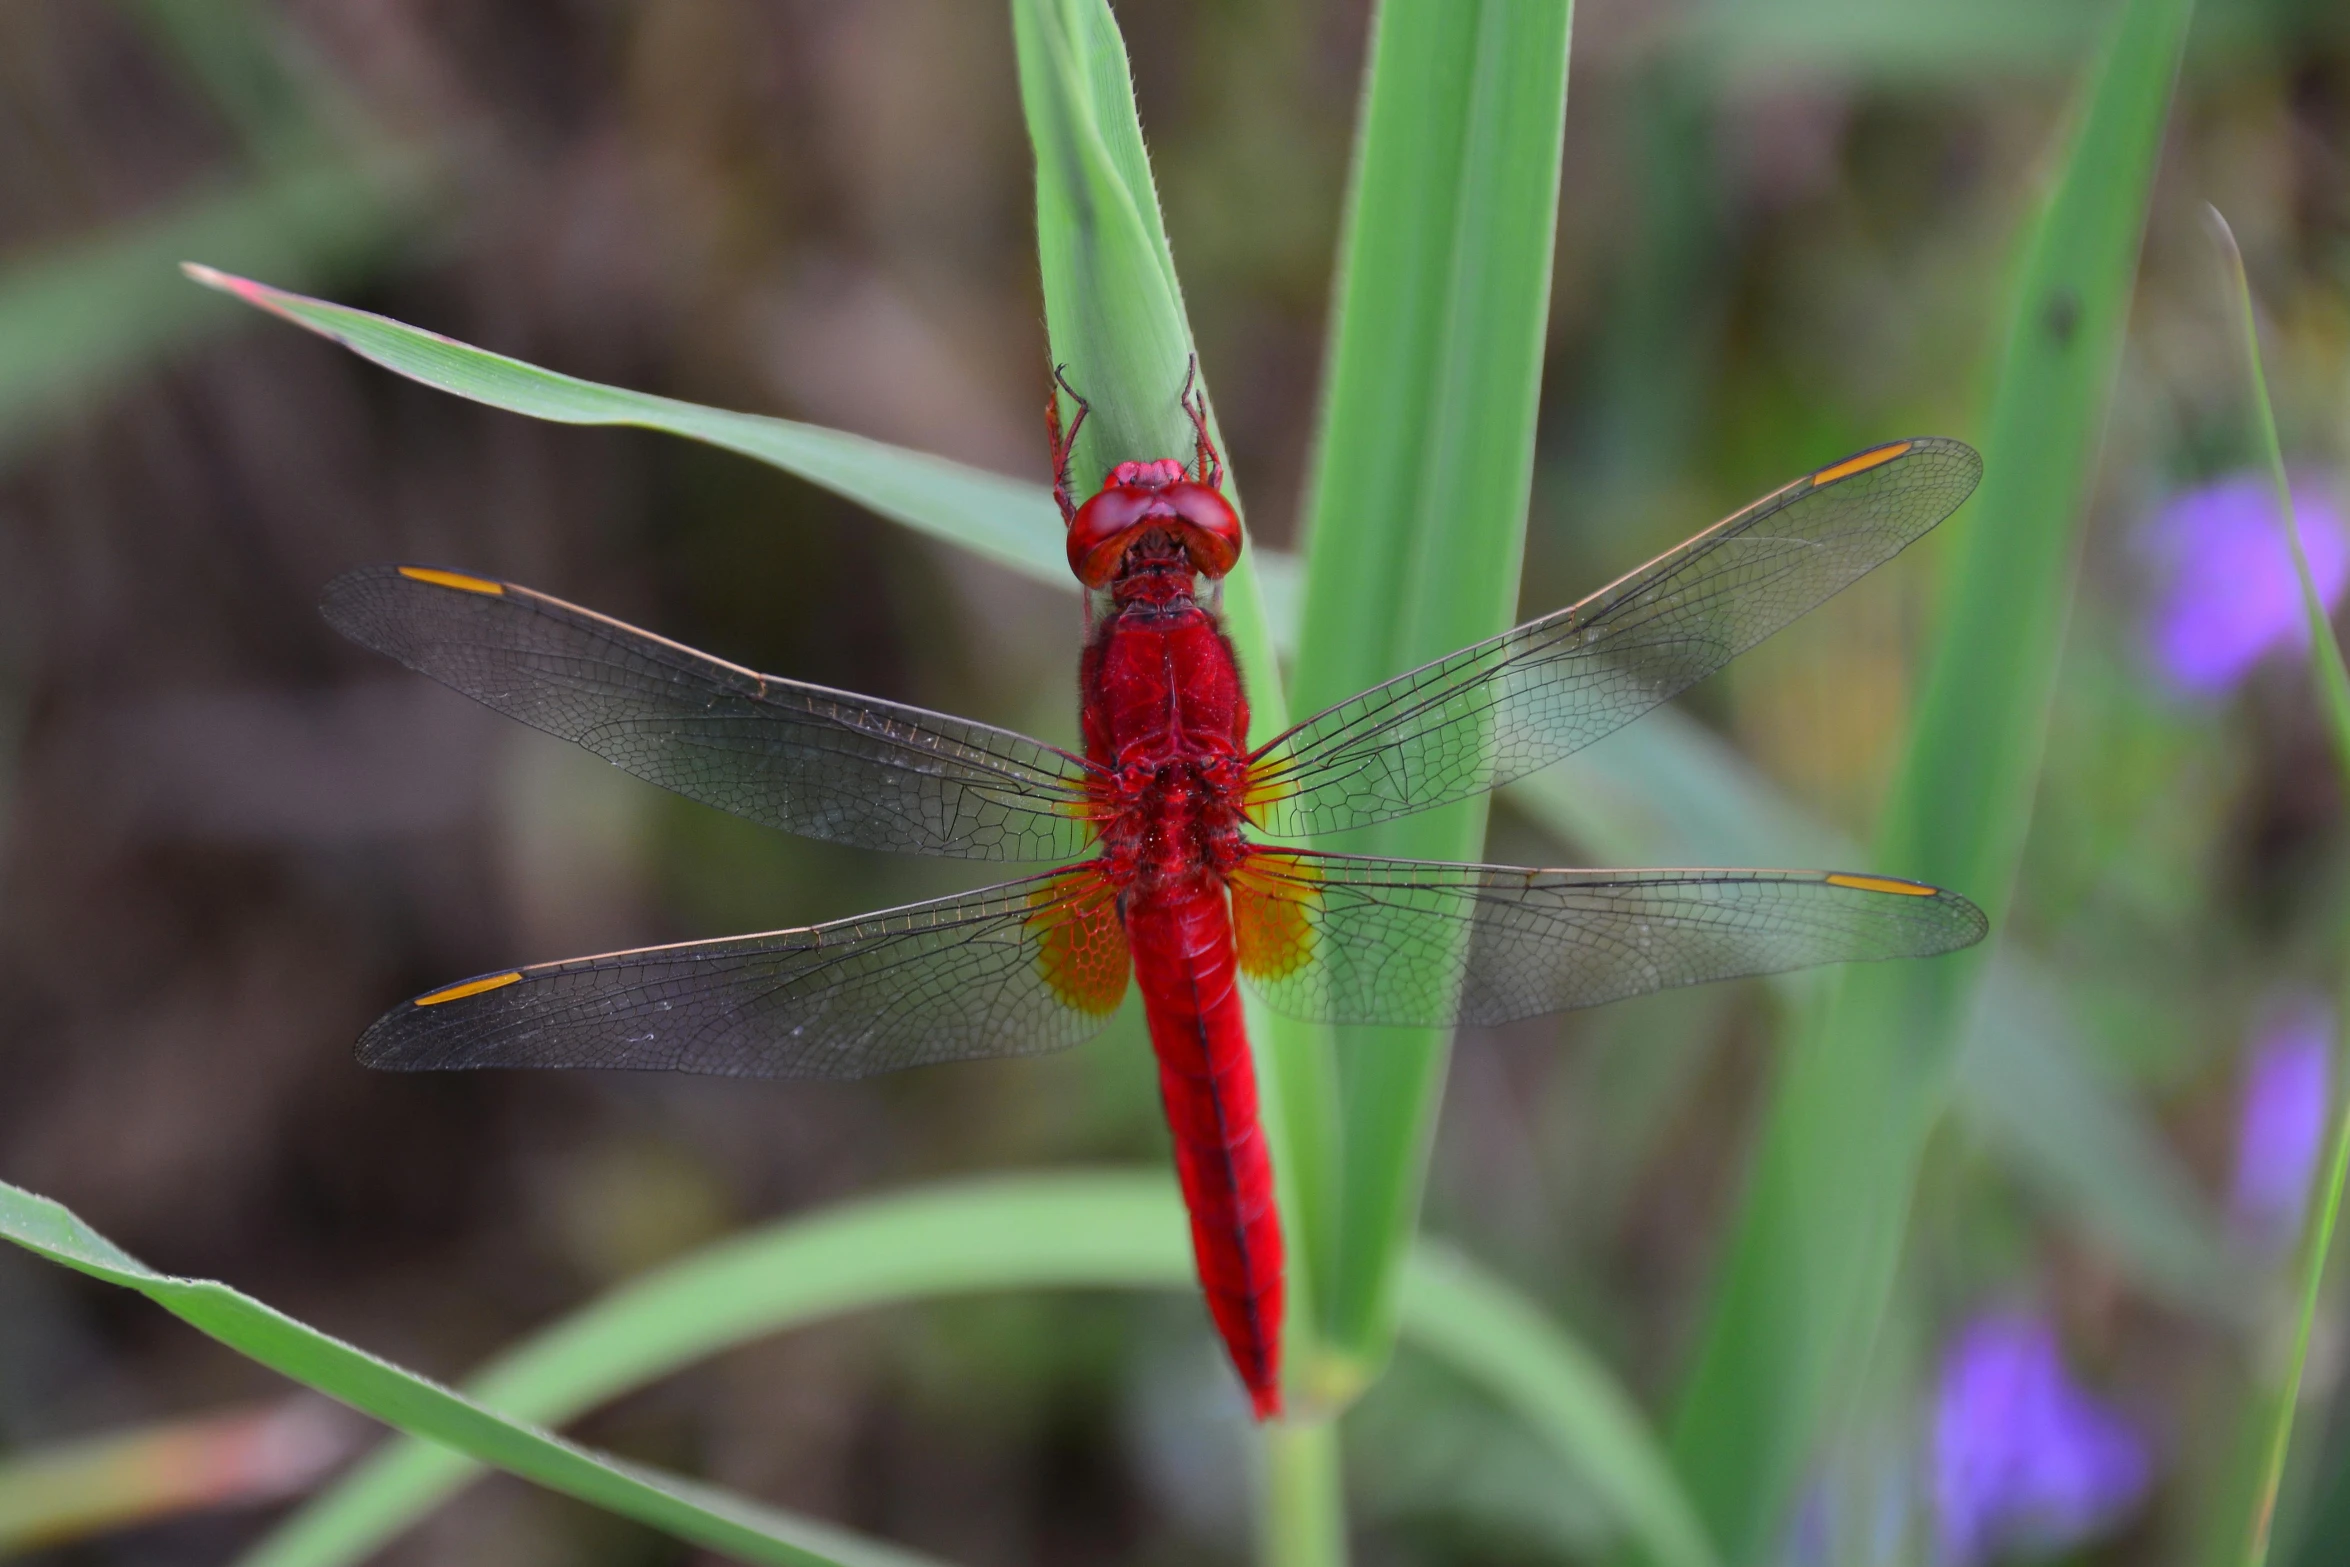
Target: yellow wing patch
[[1260, 792], [451, 579], [1907, 889], [471, 987], [1861, 464], [1272, 919], [1081, 947]]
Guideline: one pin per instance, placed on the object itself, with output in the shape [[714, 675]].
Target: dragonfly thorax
[[1174, 822]]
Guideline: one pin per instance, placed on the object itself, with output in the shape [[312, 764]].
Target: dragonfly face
[[1152, 502], [1158, 874], [1156, 503]]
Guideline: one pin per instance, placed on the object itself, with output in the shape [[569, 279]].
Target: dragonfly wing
[[1344, 939], [1016, 969], [809, 759], [1504, 708]]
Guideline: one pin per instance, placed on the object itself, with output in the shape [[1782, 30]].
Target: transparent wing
[[808, 759], [1017, 969], [1343, 939], [1530, 696]]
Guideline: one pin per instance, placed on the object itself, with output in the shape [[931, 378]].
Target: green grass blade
[[1303, 1523], [2325, 651], [1112, 305], [1073, 1230], [80, 317], [1096, 1229], [1114, 311], [2280, 1399], [1005, 520], [1814, 1252], [1417, 514], [400, 1398], [1009, 521]]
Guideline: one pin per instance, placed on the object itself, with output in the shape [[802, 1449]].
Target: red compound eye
[[1210, 528], [1104, 526], [1101, 530]]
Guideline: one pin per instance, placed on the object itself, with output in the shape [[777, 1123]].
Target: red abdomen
[[1183, 964], [1165, 719]]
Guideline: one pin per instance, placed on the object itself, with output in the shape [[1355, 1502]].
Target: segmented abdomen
[[1183, 964]]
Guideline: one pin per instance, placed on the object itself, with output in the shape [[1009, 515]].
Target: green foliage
[[677, 1506], [1094, 1230], [1665, 791], [2279, 1396], [1415, 523], [1814, 1254], [1417, 516], [1112, 305], [1000, 519]]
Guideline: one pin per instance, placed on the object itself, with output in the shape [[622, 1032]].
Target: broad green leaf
[[1416, 521], [2277, 1397], [82, 316], [1101, 1229], [400, 1398], [1815, 1248]]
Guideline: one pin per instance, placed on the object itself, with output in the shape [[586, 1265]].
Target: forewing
[[1343, 939], [1504, 708], [1017, 969], [811, 760]]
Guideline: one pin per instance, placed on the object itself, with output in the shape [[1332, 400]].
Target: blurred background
[[232, 839]]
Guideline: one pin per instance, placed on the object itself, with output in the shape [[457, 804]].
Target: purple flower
[[2228, 593], [2281, 1132], [2023, 1458]]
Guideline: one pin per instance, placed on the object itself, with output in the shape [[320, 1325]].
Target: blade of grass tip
[[684, 1509], [2325, 651], [1814, 1251], [1113, 306], [1114, 313], [2282, 1400], [1005, 520], [1008, 521], [1098, 1229], [1417, 510]]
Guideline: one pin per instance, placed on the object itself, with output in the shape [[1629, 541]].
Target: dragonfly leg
[[1208, 465], [1063, 444]]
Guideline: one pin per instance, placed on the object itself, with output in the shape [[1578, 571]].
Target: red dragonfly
[[1155, 831]]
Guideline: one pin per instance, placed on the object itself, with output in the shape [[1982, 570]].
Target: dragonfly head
[[1146, 497]]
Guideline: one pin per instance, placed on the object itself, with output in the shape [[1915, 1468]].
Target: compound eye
[[1100, 532], [1210, 527]]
